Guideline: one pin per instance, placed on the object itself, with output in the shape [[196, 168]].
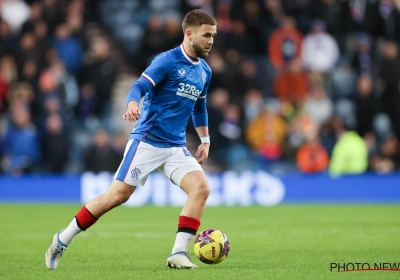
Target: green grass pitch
[[283, 242]]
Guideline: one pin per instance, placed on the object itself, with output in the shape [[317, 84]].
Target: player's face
[[203, 39]]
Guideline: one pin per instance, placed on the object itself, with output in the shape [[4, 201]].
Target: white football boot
[[55, 252], [180, 260]]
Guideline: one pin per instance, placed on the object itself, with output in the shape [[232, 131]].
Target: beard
[[199, 51]]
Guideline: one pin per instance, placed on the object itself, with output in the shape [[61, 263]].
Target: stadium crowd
[[298, 85]]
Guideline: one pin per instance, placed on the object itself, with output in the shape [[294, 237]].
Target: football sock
[[187, 228], [69, 233], [82, 221]]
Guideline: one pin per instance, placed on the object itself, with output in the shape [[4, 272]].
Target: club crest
[[135, 173], [204, 77]]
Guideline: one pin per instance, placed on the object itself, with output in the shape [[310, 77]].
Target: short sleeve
[[158, 69]]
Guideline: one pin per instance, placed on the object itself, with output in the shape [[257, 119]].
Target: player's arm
[[154, 74], [136, 92], [200, 121]]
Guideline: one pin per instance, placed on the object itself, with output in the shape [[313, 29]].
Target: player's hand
[[133, 112], [203, 152]]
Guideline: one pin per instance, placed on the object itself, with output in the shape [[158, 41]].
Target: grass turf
[[284, 242]]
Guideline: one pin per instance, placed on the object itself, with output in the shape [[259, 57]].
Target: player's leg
[[196, 187], [118, 193], [139, 160]]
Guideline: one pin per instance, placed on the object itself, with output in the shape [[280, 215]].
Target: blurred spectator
[[235, 154], [301, 11], [350, 155], [274, 12], [239, 39], [382, 126], [366, 105], [312, 156], [15, 13], [7, 40], [329, 133], [372, 144], [301, 128], [75, 23], [54, 144], [99, 71], [292, 85], [220, 76], [48, 88], [173, 32], [389, 11], [257, 55], [20, 147], [218, 102], [285, 43], [28, 50], [231, 126], [343, 81], [52, 13], [118, 143], [154, 39], [68, 48], [360, 16], [388, 159], [253, 104], [86, 107], [329, 12], [188, 5], [248, 78], [222, 16], [252, 15], [67, 86], [30, 74], [266, 133], [3, 94], [346, 110], [362, 57], [100, 155], [8, 69], [396, 113], [320, 50], [35, 15], [41, 32], [233, 77], [318, 105], [21, 94], [389, 75]]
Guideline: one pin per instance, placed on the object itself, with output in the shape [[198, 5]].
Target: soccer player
[[175, 87]]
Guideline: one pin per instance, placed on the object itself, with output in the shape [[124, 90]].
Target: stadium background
[[303, 109], [289, 78]]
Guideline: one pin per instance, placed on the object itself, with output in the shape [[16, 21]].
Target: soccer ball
[[211, 246]]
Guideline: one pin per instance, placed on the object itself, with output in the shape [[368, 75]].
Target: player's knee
[[202, 190], [119, 197]]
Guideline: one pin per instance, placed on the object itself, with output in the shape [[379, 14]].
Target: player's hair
[[196, 18]]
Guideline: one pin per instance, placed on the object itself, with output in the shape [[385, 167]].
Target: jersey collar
[[188, 57]]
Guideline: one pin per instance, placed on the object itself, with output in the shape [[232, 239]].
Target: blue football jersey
[[178, 82]]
